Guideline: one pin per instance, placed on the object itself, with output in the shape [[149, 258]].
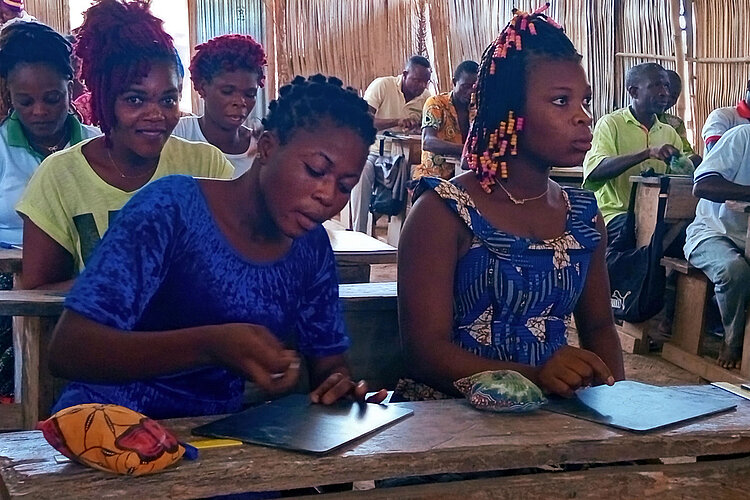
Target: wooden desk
[[355, 252], [369, 309], [679, 210], [10, 260], [567, 176], [35, 314], [744, 207], [441, 437]]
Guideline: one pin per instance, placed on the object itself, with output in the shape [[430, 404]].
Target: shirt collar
[[629, 117], [743, 110], [17, 137]]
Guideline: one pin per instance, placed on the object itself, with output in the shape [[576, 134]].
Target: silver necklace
[[114, 164], [521, 201], [52, 149]]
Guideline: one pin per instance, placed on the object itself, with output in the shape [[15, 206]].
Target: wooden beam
[[645, 56]]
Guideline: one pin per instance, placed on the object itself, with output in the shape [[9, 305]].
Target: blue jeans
[[725, 265]]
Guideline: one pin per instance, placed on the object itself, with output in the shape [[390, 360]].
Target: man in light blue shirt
[[716, 239]]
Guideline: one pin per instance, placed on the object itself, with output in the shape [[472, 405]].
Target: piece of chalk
[[202, 444]]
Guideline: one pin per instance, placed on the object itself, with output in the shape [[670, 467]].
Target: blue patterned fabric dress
[[164, 264], [514, 297]]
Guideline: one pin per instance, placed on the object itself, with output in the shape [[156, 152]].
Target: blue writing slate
[[294, 423], [641, 407]]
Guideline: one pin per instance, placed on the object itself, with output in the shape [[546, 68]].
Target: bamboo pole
[[679, 50]]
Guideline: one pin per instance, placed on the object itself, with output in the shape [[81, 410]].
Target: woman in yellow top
[[129, 64]]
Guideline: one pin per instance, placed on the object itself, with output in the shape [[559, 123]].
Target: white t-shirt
[[729, 158], [189, 128], [385, 96], [25, 18], [719, 121]]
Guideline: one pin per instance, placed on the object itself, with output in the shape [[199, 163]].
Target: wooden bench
[[369, 309], [685, 348]]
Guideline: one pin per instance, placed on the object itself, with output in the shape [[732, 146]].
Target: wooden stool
[[633, 337], [684, 349]]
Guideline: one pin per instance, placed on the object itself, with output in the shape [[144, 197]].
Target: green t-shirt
[[619, 133], [67, 200]]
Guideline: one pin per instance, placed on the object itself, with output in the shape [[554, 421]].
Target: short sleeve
[[320, 326], [126, 271], [374, 94], [602, 146], [221, 167], [717, 123], [727, 156], [43, 203], [433, 114]]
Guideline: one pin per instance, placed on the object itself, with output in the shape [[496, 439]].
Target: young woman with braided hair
[[130, 66], [493, 264], [226, 72], [224, 274]]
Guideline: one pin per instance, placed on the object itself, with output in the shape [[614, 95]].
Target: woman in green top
[[37, 74]]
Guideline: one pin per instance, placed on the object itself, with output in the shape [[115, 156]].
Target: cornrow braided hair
[[117, 44], [32, 43], [500, 97], [305, 103], [227, 53]]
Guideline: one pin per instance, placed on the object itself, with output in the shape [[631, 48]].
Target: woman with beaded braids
[[129, 64], [224, 274], [493, 264]]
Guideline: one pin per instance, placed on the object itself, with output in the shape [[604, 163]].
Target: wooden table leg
[[33, 382]]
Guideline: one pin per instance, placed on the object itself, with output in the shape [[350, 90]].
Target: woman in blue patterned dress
[[200, 284], [494, 263]]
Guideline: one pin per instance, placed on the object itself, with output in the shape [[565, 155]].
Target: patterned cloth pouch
[[111, 438], [501, 391]]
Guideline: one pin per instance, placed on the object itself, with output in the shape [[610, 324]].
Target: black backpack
[[636, 278]]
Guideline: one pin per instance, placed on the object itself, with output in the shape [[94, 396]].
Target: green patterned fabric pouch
[[501, 391]]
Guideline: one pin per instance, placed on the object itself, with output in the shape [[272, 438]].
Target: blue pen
[[10, 246]]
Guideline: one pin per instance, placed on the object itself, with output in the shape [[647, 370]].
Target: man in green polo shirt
[[628, 141]]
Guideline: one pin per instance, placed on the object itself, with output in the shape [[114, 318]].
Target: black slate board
[[294, 423], [641, 407]]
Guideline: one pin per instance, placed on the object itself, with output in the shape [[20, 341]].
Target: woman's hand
[[338, 385], [570, 368], [256, 353]]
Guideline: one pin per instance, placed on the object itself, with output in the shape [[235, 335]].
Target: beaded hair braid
[[500, 96]]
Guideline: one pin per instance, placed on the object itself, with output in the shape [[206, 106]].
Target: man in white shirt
[[12, 11], [715, 240], [396, 103], [722, 119]]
